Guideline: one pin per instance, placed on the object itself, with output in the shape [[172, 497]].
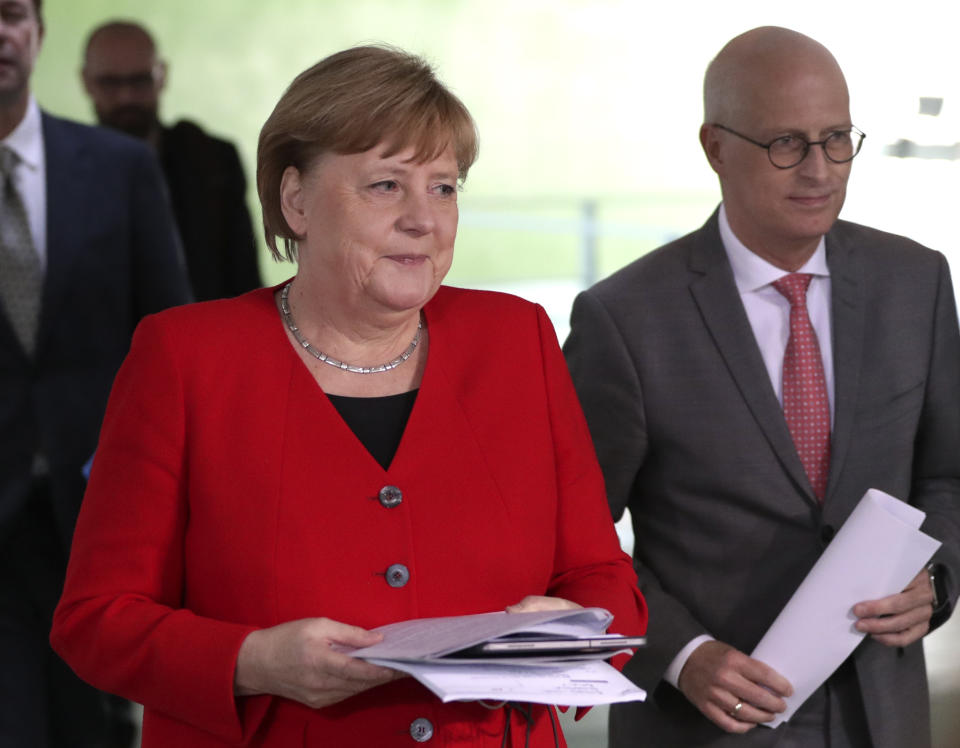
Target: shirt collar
[[751, 272], [26, 140]]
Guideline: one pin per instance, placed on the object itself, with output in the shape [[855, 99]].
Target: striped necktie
[[21, 274]]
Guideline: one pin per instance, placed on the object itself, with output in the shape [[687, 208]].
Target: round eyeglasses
[[787, 151]]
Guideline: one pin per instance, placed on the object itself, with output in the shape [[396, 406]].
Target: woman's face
[[376, 230]]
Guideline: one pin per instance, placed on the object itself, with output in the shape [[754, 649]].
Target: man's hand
[[717, 677], [901, 619]]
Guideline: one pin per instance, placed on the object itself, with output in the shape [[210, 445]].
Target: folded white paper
[[566, 684], [877, 552]]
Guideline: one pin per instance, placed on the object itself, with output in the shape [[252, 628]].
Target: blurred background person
[[87, 248], [123, 76], [281, 472]]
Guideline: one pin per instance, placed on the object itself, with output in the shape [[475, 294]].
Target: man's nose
[[815, 163], [125, 93]]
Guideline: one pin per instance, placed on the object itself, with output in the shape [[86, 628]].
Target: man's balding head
[[746, 66], [773, 84], [124, 76]]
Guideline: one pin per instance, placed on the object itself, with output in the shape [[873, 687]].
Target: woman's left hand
[[535, 603]]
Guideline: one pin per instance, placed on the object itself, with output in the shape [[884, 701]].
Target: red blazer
[[227, 494]]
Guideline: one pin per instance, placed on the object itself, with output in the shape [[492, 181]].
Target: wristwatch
[[935, 572]]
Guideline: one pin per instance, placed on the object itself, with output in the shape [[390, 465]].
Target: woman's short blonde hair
[[348, 103]]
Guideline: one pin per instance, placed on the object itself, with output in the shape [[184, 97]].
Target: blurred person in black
[[124, 77], [87, 248]]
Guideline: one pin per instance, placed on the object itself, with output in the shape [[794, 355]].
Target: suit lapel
[[67, 178], [10, 344], [715, 293], [847, 311]]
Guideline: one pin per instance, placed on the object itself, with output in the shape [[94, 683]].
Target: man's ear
[[161, 81], [87, 81], [711, 143], [292, 200]]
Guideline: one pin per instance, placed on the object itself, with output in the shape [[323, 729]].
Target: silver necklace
[[321, 356]]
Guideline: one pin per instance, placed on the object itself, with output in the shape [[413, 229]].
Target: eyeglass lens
[[791, 150], [136, 81]]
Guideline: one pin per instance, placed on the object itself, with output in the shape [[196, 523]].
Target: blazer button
[[826, 534], [390, 496], [421, 730], [397, 575]]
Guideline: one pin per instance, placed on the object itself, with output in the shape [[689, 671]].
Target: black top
[[378, 422]]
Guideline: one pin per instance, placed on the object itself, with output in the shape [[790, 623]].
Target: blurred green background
[[558, 109], [588, 111]]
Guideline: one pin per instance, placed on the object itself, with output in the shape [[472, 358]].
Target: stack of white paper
[[421, 647]]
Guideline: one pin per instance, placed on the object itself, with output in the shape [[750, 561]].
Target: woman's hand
[[534, 603], [297, 660]]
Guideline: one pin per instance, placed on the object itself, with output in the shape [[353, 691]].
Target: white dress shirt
[[769, 314], [30, 177]]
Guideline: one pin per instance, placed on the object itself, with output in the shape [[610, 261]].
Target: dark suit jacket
[[209, 195], [112, 257], [692, 439]]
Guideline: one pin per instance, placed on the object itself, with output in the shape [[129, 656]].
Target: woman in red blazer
[[256, 499]]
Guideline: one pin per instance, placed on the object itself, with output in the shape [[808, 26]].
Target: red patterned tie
[[805, 403]]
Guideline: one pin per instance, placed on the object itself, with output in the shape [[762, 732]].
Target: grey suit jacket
[[692, 439]]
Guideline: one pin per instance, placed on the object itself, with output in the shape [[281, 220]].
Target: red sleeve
[[120, 623], [589, 568]]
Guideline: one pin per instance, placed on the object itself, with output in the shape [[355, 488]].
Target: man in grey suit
[[741, 422]]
